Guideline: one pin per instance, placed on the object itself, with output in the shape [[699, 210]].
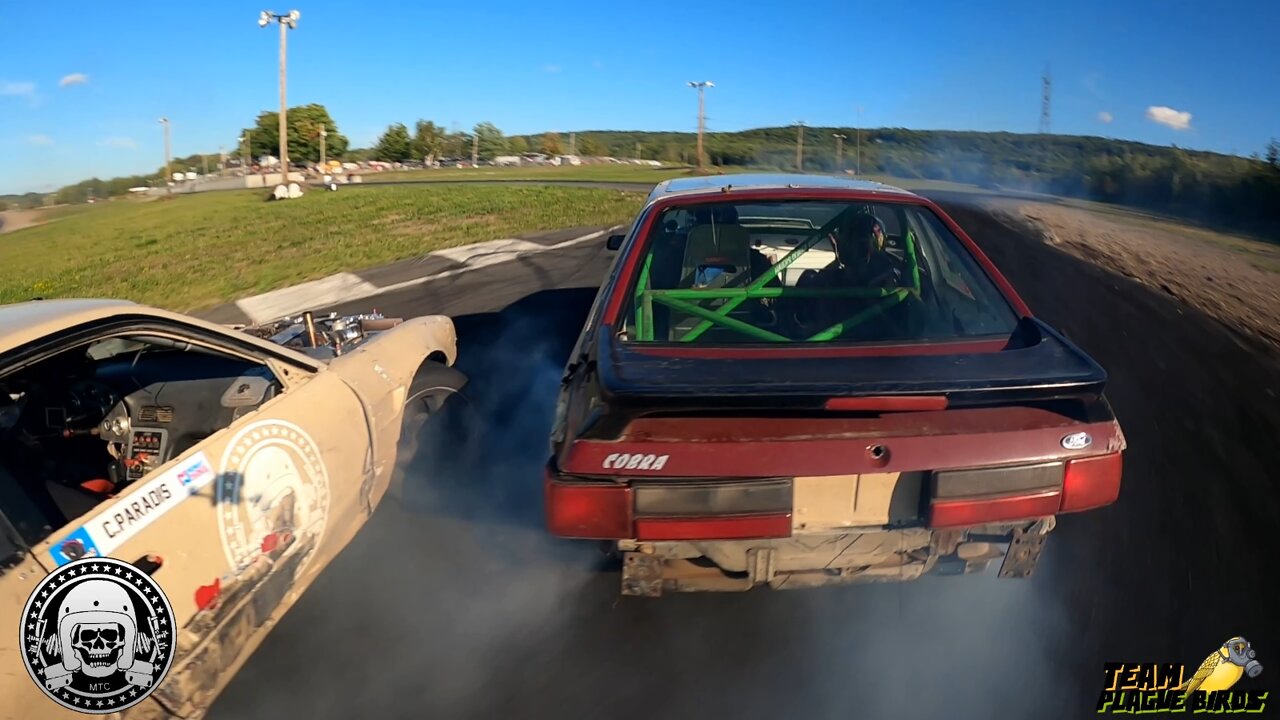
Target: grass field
[[198, 250], [616, 173], [584, 173]]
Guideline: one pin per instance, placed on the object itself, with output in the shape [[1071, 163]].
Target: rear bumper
[[652, 569]]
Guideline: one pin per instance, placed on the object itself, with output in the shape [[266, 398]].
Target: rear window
[[808, 272]]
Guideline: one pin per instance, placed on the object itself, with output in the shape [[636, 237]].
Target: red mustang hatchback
[[793, 380]]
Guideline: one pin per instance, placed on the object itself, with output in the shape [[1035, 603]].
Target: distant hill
[[1223, 190], [1237, 192]]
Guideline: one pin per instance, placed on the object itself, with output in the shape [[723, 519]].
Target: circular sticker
[[96, 635], [273, 490]]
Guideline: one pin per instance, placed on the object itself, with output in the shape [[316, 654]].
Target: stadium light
[[701, 87], [287, 22]]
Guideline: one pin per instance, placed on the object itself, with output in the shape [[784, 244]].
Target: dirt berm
[[1199, 402]]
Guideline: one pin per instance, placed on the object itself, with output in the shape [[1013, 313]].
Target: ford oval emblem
[[1077, 441]]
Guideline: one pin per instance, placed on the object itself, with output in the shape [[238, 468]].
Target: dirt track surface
[[11, 220], [1234, 280], [453, 603]]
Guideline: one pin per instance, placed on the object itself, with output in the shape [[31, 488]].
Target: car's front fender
[[380, 371]]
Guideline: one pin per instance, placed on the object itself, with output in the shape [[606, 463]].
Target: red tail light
[[1091, 482], [598, 511], [959, 513], [740, 527]]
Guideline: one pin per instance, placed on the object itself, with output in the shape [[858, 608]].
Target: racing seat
[[716, 255]]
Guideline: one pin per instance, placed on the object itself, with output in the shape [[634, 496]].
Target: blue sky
[[83, 84]]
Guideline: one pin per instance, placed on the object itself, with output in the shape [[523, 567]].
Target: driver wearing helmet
[[861, 262]]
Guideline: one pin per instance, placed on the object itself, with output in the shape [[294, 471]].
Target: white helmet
[[97, 601]]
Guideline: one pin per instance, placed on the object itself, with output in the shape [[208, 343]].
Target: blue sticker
[[75, 546]]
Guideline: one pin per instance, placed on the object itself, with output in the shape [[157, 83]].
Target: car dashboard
[[82, 430]]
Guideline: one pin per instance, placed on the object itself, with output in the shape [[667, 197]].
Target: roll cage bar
[[690, 300]]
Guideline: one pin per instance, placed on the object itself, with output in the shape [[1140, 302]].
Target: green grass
[[198, 250], [585, 173]]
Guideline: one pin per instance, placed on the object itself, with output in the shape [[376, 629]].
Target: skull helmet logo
[[96, 635]]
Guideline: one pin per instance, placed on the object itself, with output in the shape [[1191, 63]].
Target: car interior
[[79, 426], [734, 246]]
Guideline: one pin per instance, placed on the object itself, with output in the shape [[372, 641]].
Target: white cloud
[[1176, 119], [40, 140], [73, 79], [551, 68], [1105, 117], [17, 88], [121, 143]]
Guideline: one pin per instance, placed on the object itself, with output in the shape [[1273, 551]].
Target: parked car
[[894, 409]]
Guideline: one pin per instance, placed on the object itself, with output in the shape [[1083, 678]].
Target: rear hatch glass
[[808, 271]]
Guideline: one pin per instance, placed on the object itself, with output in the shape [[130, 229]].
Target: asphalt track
[[452, 602]]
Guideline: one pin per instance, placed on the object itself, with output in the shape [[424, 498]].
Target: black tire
[[439, 439]]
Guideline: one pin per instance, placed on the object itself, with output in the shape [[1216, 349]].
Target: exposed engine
[[322, 337]]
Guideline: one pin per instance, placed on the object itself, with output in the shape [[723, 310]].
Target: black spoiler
[[1037, 365]]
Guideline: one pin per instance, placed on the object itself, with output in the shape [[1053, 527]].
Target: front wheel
[[439, 439]]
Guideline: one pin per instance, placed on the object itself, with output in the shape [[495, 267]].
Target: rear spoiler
[[1037, 365]]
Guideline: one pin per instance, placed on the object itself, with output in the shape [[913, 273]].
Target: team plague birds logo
[[97, 635]]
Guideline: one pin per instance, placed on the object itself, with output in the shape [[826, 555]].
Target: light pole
[[168, 188], [286, 22], [244, 152], [701, 87], [799, 146], [323, 134], [859, 147], [839, 150]]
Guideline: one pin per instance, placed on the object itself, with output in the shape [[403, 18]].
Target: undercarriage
[[838, 558]]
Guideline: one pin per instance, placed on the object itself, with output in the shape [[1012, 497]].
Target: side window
[[87, 423]]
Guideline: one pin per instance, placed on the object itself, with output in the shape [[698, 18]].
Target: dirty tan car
[[232, 463]]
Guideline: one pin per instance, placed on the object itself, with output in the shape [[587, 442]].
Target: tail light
[[958, 513], [1091, 482], [597, 511], [979, 497], [742, 527]]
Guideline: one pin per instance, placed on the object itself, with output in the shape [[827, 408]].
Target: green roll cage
[[690, 301]]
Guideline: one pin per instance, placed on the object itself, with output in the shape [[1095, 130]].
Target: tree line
[[1234, 192]]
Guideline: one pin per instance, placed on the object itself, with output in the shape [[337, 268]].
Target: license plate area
[[829, 502]]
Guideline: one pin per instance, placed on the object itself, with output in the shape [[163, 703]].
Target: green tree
[[305, 122], [491, 143], [394, 145], [1273, 154], [551, 144], [428, 141], [518, 145], [589, 146]]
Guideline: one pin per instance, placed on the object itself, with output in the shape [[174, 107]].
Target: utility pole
[[167, 172], [286, 22], [323, 135], [573, 143], [1044, 101], [701, 87], [799, 146], [222, 158], [859, 170], [839, 151], [475, 149], [638, 156], [244, 151]]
